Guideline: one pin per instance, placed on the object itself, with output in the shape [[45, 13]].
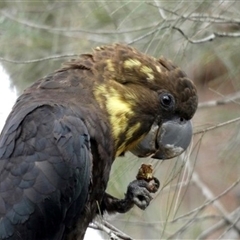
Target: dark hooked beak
[[166, 141]]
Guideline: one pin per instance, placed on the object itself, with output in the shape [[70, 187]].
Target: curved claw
[[139, 192]]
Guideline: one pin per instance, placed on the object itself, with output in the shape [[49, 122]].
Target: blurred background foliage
[[203, 38]]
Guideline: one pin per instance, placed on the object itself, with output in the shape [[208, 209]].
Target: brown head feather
[[127, 86]]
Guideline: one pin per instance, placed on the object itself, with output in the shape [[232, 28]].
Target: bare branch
[[79, 30], [38, 59], [227, 34], [200, 208], [227, 99], [110, 233], [199, 18], [118, 232], [196, 17], [205, 234], [217, 126], [208, 38], [147, 34], [113, 232], [211, 199], [153, 223], [210, 196], [232, 227]]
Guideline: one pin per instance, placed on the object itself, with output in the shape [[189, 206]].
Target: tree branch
[[71, 30], [113, 232], [227, 99], [54, 57], [217, 126], [210, 201], [205, 234], [196, 17]]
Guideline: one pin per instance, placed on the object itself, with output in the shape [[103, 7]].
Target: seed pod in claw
[[145, 172]]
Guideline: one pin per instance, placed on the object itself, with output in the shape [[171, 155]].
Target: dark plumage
[[64, 132]]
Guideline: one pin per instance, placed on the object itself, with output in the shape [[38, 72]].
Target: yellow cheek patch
[[123, 147], [132, 130], [118, 111], [131, 63], [148, 71]]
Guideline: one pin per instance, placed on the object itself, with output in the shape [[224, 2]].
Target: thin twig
[[109, 232], [196, 41], [176, 186], [207, 203], [209, 196], [217, 126], [227, 99], [208, 38], [147, 34], [154, 223], [118, 232], [205, 234], [232, 227], [200, 18], [113, 232], [189, 173], [54, 57], [211, 199], [197, 17], [184, 226], [79, 30], [212, 18]]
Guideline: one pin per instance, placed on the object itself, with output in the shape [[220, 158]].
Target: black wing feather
[[45, 163]]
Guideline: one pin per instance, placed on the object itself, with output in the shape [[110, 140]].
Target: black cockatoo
[[65, 130]]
